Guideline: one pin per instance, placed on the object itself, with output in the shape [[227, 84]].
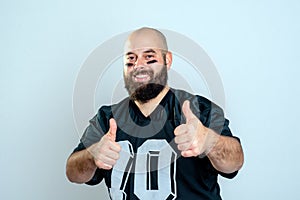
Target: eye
[[149, 56], [131, 58]]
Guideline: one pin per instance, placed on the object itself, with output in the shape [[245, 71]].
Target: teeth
[[142, 76]]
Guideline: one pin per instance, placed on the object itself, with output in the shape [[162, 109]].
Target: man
[[159, 143]]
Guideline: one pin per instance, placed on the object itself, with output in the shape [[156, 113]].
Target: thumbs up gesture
[[191, 136], [106, 151]]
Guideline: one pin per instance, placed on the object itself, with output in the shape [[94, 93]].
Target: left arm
[[194, 139], [226, 153]]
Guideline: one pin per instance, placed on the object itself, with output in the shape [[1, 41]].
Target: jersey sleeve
[[212, 116], [98, 126]]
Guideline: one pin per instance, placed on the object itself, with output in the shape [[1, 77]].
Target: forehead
[[139, 42], [142, 51]]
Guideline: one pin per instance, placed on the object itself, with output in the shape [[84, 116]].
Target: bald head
[[146, 38]]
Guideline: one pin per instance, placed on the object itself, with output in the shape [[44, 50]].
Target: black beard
[[144, 92]]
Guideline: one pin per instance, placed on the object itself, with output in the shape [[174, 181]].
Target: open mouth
[[141, 77]]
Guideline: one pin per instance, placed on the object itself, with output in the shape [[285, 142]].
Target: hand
[[106, 151], [191, 137]]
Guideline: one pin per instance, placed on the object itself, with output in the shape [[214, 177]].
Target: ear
[[169, 59]]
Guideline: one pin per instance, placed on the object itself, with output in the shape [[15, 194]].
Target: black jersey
[[150, 165]]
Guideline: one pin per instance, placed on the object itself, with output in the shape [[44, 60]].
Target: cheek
[[157, 67], [127, 72]]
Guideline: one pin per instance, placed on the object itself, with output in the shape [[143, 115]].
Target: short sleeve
[[97, 127]]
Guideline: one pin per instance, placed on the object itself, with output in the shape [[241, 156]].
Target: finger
[[113, 155], [103, 165], [180, 139], [109, 158], [109, 161], [106, 166], [112, 129], [181, 129], [187, 112], [115, 147], [188, 153], [184, 146]]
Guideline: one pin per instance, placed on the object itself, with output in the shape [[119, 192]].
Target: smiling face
[[146, 62]]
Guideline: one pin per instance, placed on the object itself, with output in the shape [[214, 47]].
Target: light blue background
[[254, 45]]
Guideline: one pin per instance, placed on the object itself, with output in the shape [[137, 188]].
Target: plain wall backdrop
[[255, 48]]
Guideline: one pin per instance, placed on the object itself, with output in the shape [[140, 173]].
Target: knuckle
[[113, 162], [99, 163], [196, 152], [194, 145], [180, 147], [118, 148]]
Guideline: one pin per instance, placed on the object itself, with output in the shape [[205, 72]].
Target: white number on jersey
[[154, 173]]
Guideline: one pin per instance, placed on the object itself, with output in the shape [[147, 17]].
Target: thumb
[[112, 129], [187, 112]]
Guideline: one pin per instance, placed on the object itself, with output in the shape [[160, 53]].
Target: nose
[[139, 63]]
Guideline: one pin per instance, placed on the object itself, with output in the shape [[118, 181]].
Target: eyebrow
[[129, 53], [147, 51]]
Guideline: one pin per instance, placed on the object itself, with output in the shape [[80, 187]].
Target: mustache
[[142, 72]]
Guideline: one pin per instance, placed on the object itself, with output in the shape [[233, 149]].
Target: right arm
[[82, 165]]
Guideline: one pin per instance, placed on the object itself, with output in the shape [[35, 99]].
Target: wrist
[[212, 141], [89, 156]]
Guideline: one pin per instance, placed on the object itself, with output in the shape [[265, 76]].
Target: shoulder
[[209, 113], [110, 111], [206, 110], [197, 101]]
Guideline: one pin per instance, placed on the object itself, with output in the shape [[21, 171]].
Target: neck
[[148, 107]]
